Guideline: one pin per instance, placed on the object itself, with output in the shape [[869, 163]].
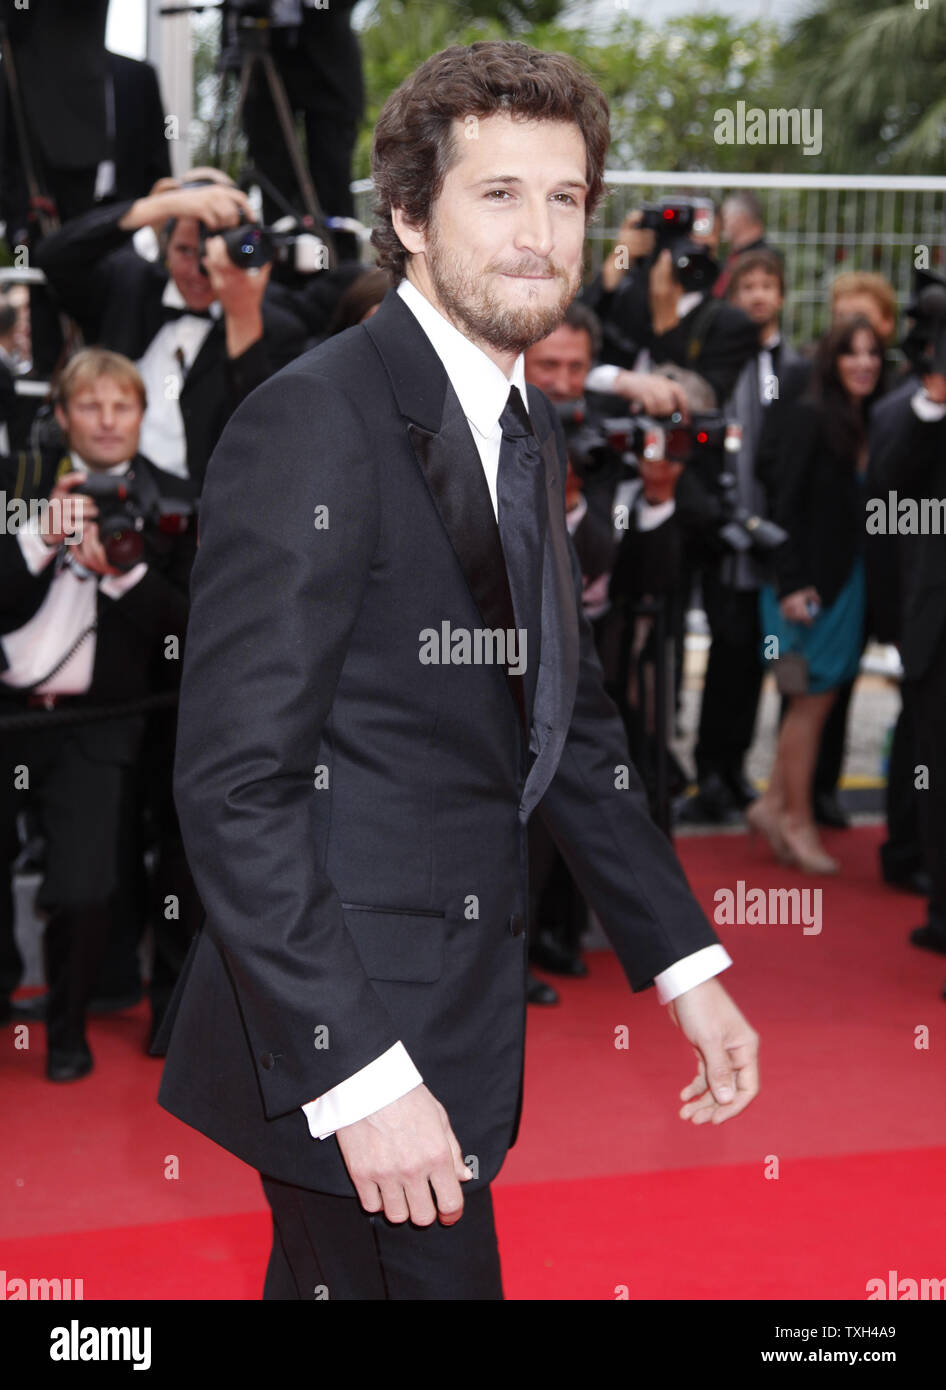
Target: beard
[[481, 315]]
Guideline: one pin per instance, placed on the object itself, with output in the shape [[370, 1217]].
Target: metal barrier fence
[[823, 223]]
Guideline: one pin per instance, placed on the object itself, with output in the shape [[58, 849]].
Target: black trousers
[[83, 805], [927, 700], [733, 679], [901, 854], [327, 1247]]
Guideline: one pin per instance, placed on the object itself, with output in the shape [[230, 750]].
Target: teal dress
[[833, 643]]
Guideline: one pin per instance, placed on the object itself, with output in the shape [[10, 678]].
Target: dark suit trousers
[[327, 1247], [927, 698], [82, 805], [733, 678], [901, 854]]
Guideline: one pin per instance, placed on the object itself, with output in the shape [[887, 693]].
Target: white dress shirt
[[70, 606], [165, 363], [483, 390]]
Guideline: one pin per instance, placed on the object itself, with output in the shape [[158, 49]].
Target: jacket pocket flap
[[397, 945]]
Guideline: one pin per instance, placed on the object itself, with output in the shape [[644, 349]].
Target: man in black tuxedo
[[199, 329], [382, 685], [79, 631], [909, 459]]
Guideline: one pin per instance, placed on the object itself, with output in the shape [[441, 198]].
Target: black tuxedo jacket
[[115, 296], [131, 633], [356, 819], [908, 456]]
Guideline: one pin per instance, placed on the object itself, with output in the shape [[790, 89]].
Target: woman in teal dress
[[813, 614]]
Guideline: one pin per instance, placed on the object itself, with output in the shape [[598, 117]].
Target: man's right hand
[[215, 205], [66, 521], [398, 1154]]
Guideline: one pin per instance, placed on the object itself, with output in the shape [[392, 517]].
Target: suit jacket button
[[268, 1061], [516, 925]]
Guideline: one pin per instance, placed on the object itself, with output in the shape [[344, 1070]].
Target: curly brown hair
[[414, 147]]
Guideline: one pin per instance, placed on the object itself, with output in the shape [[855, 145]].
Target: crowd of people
[[711, 462]]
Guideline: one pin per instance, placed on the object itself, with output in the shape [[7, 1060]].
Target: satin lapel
[[557, 679], [450, 462]]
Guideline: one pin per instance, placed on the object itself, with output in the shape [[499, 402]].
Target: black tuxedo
[[81, 776], [910, 459], [115, 296], [129, 628], [388, 904]]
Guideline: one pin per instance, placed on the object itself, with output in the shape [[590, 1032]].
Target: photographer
[[88, 607], [200, 330], [730, 581], [653, 296]]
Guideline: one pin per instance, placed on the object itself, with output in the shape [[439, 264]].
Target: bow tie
[[170, 312]]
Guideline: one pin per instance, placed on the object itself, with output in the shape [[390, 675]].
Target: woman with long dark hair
[[815, 610]]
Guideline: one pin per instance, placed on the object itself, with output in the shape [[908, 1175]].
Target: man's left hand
[[727, 1051], [240, 294]]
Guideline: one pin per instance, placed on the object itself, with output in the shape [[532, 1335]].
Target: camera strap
[[704, 317], [34, 685]]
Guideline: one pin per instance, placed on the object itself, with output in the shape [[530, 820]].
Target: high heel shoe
[[762, 821], [809, 854]]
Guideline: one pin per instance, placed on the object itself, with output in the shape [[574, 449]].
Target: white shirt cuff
[[382, 1081], [926, 409], [114, 585], [34, 549], [651, 515], [602, 378], [691, 971]]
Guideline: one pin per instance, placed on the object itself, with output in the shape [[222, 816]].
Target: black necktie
[[520, 490]]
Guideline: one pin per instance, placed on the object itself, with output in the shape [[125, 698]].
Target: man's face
[[183, 263], [758, 294], [101, 422], [559, 363], [849, 306], [502, 255]]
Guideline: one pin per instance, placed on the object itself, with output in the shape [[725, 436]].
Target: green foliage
[[878, 70]]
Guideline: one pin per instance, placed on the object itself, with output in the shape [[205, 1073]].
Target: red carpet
[[607, 1193]]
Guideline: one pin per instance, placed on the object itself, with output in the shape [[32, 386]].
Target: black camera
[[596, 443], [703, 443], [677, 219], [250, 246], [675, 222], [132, 513], [925, 344]]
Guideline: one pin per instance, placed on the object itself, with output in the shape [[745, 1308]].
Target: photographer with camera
[[199, 328], [908, 466], [816, 611], [593, 404], [653, 295], [730, 580], [93, 599]]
